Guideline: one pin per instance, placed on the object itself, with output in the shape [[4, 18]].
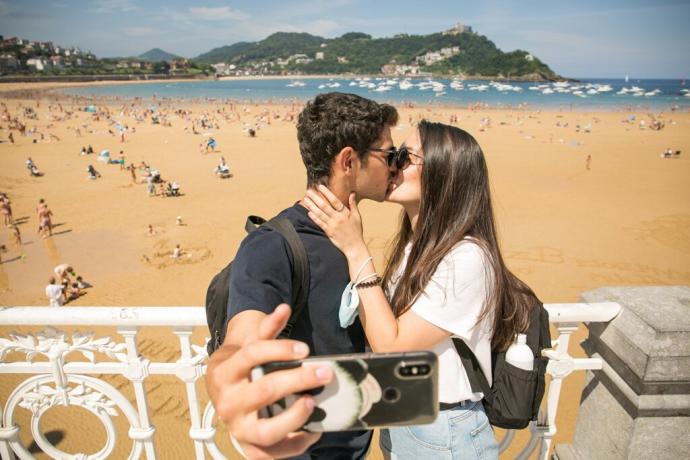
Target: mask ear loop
[[361, 269]]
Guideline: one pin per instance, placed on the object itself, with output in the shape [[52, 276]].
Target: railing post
[[189, 369], [638, 405], [137, 371]]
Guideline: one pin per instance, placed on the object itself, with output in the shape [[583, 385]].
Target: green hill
[[466, 54], [156, 55]]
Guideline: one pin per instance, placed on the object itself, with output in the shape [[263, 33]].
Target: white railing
[[57, 382]]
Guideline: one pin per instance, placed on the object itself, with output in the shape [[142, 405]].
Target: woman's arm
[[384, 332]]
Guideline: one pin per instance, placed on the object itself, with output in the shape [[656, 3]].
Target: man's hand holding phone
[[250, 342]]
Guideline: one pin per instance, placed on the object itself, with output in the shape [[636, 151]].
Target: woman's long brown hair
[[455, 204]]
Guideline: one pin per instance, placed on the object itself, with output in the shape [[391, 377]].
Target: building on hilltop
[[458, 29]]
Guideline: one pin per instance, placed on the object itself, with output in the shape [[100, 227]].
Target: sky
[[584, 38]]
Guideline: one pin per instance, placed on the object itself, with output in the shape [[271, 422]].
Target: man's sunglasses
[[398, 157]]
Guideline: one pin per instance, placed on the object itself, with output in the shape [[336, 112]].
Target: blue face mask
[[350, 299], [348, 305]]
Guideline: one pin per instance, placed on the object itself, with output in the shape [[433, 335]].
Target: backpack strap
[[300, 275], [475, 375]]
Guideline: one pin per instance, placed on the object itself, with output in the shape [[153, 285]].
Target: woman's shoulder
[[468, 251]]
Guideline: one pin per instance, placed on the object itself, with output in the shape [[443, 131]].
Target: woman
[[445, 278]]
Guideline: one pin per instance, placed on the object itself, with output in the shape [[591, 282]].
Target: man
[[55, 293], [345, 141]]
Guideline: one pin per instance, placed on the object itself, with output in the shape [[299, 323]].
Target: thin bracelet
[[366, 284]]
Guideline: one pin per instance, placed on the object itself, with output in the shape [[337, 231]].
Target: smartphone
[[368, 390]]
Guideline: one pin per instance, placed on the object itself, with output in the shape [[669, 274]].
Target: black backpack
[[514, 398], [218, 290]]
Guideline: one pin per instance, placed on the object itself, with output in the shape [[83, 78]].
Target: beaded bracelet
[[375, 282]]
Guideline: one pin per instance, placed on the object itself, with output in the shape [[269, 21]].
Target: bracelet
[[374, 282]]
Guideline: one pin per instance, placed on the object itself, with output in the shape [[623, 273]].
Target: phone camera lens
[[391, 395]]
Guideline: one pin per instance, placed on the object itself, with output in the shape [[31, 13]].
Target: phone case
[[368, 390]]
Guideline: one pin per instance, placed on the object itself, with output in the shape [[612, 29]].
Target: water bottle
[[519, 354]]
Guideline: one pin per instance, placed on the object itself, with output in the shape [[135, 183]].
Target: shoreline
[[52, 90]]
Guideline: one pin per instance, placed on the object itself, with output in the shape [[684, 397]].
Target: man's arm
[[251, 341]]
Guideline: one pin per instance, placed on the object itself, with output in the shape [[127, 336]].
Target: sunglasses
[[398, 157]]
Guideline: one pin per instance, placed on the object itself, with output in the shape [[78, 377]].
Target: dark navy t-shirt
[[261, 279]]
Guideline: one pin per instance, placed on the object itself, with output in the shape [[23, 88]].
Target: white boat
[[296, 84], [547, 91], [382, 88], [592, 91], [442, 93], [405, 85]]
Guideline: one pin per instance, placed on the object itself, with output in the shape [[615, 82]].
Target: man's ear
[[344, 160]]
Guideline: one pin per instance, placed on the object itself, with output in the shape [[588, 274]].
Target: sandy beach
[[567, 224]]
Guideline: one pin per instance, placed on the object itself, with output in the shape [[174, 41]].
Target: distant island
[[456, 52]]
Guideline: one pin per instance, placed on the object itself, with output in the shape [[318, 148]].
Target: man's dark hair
[[333, 121]]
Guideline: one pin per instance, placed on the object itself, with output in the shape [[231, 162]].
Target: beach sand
[[564, 228]]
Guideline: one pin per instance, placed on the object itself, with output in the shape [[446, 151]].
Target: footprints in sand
[[672, 231], [602, 271]]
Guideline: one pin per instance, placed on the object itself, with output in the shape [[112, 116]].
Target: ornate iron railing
[[57, 382]]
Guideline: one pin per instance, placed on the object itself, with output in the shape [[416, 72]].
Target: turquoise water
[[586, 94]]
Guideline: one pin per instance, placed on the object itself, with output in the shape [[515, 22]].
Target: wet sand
[[564, 229]]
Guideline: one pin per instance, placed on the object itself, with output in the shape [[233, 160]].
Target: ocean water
[[585, 94]]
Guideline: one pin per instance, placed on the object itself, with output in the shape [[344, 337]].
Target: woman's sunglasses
[[398, 157]]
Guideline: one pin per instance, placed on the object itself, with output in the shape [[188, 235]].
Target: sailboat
[[627, 78]]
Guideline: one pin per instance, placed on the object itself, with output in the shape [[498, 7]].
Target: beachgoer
[[446, 278], [150, 186], [150, 231], [11, 137], [3, 249], [45, 223], [121, 160], [74, 292], [588, 162], [63, 272], [55, 293], [81, 284], [93, 174], [345, 141], [16, 235], [177, 252], [6, 210]]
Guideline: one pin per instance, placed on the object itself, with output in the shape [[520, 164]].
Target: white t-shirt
[[54, 293], [453, 300]]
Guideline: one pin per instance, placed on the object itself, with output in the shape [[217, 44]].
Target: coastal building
[[8, 62], [432, 57], [342, 60], [319, 56], [57, 61], [37, 64], [529, 57]]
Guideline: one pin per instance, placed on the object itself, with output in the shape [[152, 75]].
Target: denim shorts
[[463, 432]]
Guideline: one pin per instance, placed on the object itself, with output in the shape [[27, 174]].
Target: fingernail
[[309, 402], [300, 349], [324, 372]]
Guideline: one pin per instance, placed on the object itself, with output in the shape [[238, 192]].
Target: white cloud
[[114, 6], [220, 13], [139, 31]]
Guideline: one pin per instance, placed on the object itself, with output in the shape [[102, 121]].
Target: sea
[[582, 94]]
